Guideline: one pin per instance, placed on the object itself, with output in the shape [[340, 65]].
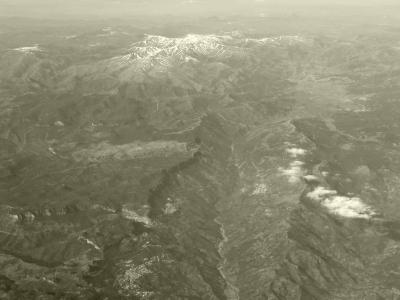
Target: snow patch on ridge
[[91, 243], [132, 215], [29, 49], [283, 39]]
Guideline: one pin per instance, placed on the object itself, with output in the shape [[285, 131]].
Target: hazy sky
[[52, 8]]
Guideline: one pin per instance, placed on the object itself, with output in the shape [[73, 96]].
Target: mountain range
[[224, 165]]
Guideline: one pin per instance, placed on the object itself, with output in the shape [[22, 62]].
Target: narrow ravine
[[231, 291]]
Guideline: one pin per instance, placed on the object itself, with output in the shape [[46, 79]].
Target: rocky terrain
[[220, 165]]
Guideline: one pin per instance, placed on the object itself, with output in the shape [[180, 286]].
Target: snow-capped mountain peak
[[191, 44]]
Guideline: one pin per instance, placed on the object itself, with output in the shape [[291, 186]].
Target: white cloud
[[294, 172], [348, 207], [320, 192], [295, 152], [310, 177], [297, 163]]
